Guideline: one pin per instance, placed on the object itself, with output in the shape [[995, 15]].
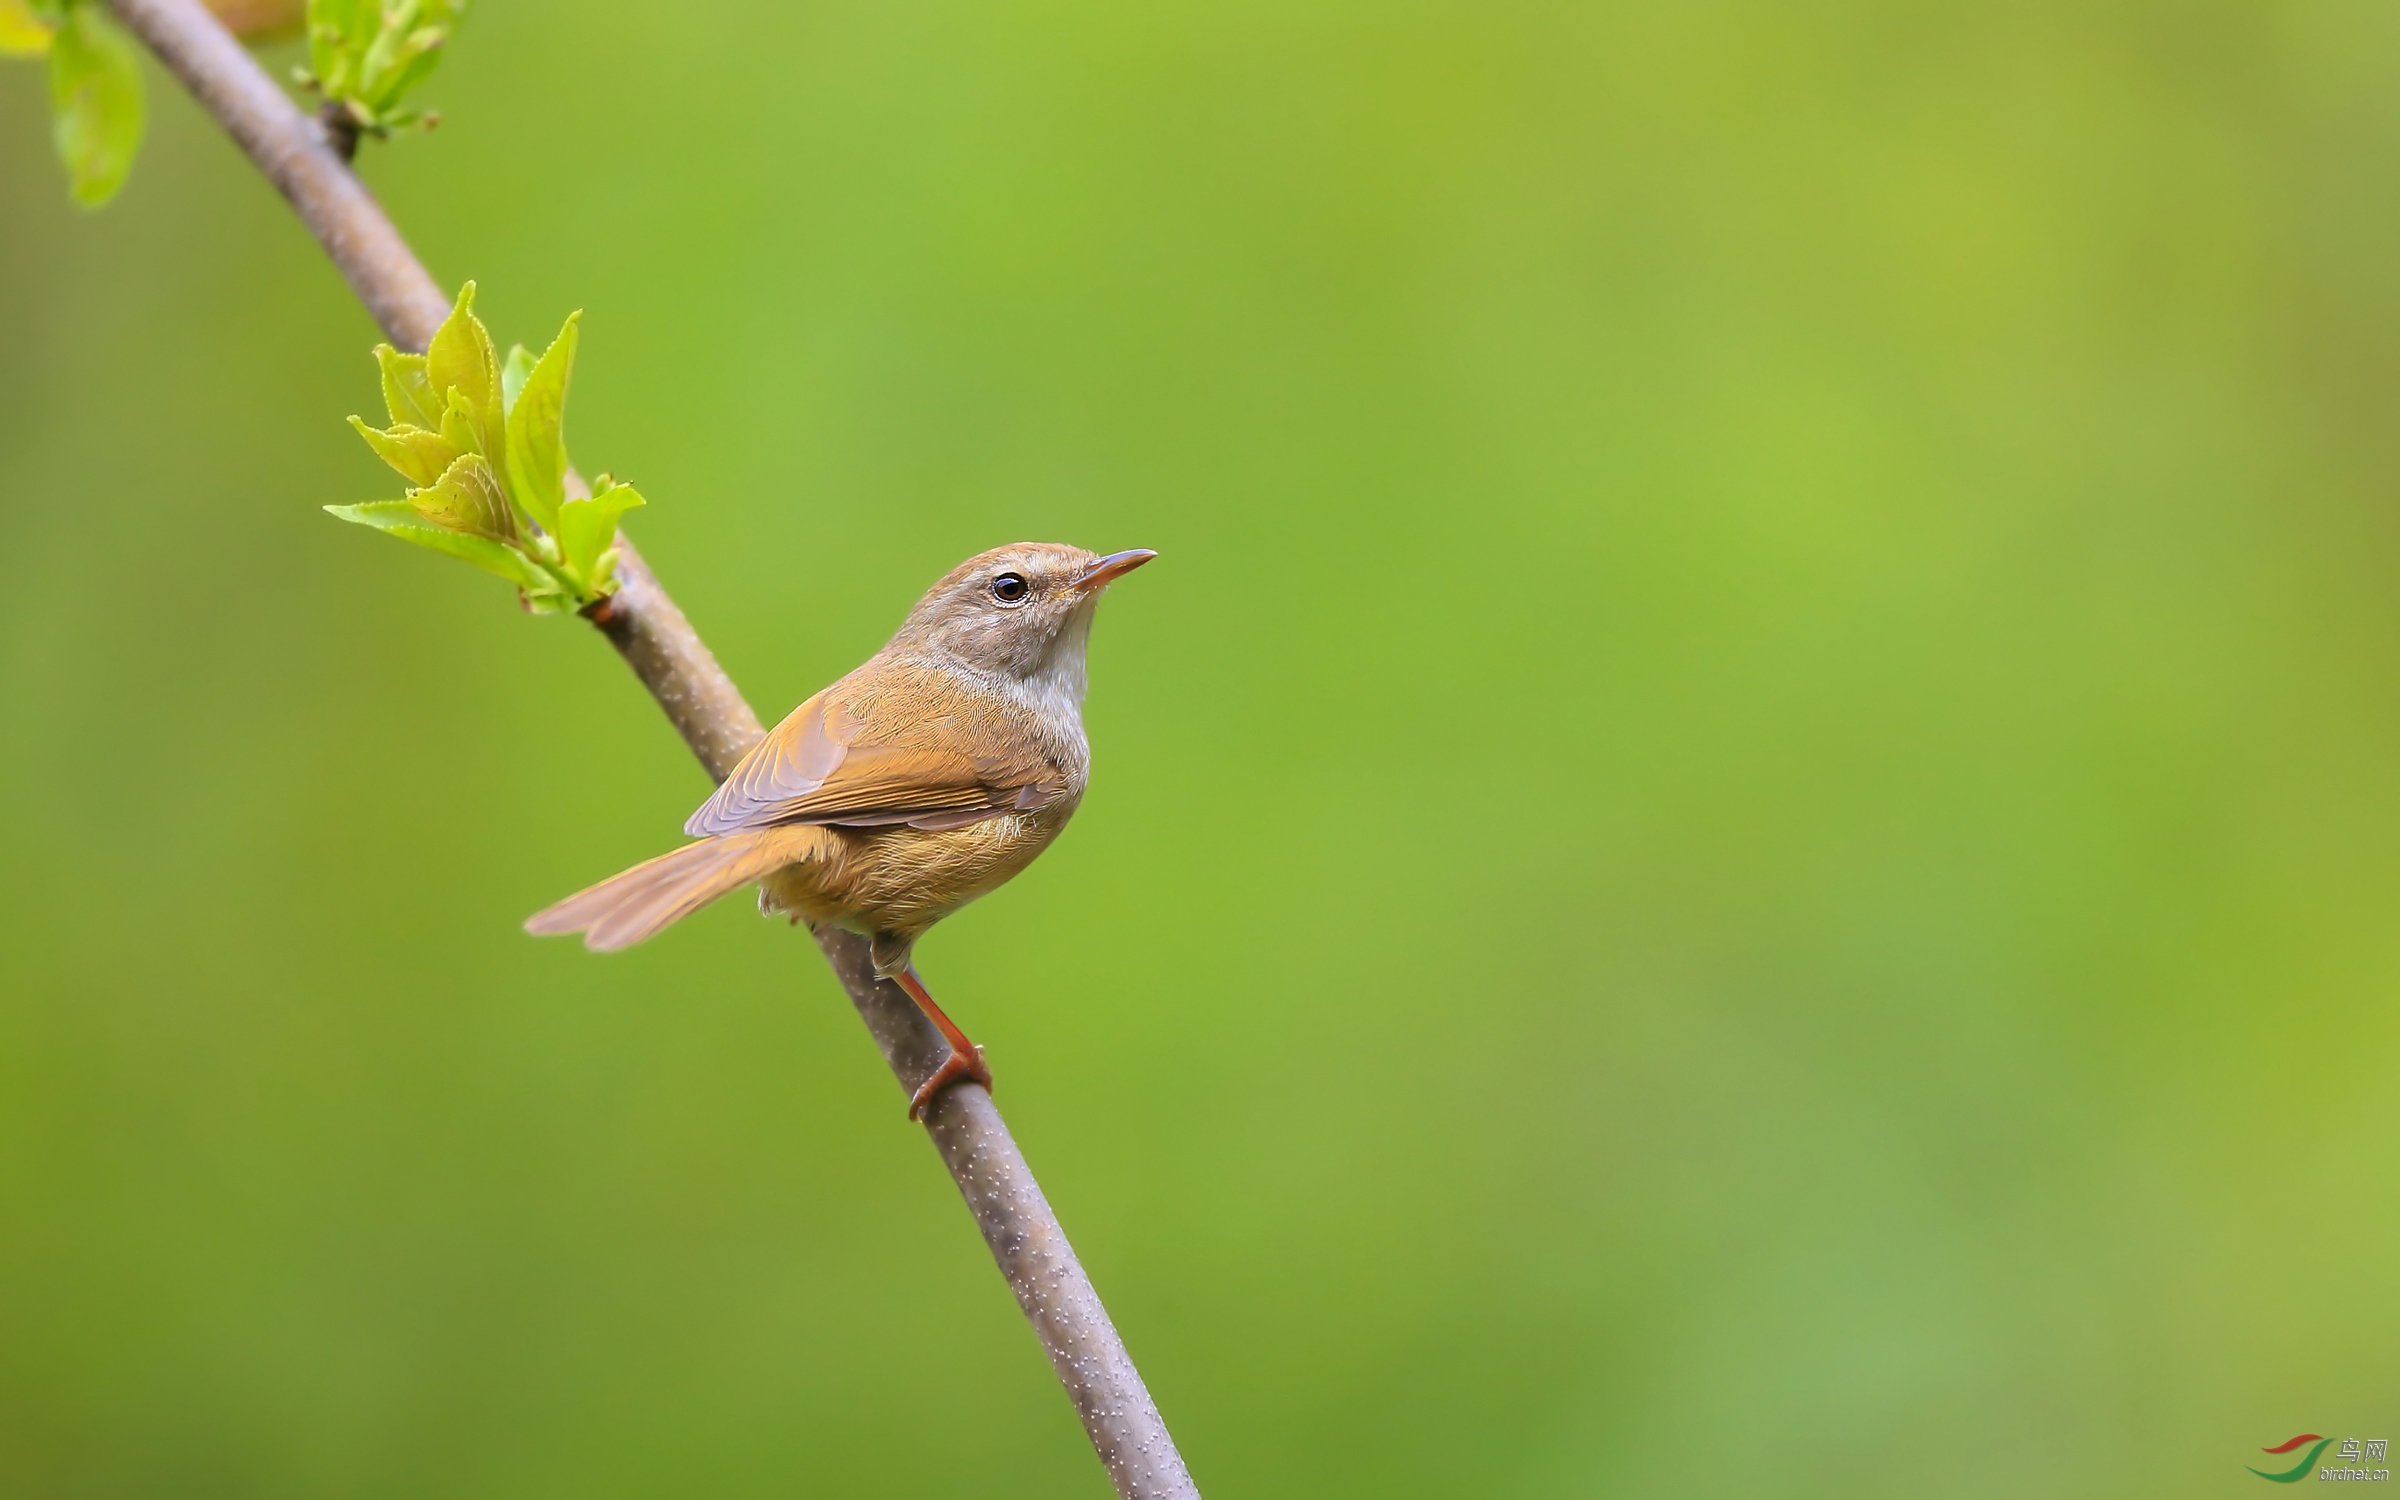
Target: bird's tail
[[624, 909]]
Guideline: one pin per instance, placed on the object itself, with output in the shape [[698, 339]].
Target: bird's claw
[[958, 1067]]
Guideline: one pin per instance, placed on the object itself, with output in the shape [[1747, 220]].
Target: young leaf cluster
[[365, 55], [95, 88], [482, 445]]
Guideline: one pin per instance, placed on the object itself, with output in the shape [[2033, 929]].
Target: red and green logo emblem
[[2298, 1471]]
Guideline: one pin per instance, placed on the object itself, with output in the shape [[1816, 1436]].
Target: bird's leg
[[965, 1059]]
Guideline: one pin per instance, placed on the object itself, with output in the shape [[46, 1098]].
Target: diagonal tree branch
[[643, 623]]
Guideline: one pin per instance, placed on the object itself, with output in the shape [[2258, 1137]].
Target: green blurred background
[[1747, 841]]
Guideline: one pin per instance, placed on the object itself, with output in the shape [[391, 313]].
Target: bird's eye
[[1011, 588]]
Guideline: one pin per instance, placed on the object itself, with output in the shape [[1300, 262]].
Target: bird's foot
[[958, 1067]]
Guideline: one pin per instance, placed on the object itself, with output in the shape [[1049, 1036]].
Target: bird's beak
[[1106, 570]]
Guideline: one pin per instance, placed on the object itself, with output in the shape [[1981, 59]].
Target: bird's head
[[1022, 611]]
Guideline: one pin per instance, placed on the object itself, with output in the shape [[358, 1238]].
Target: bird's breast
[[902, 879]]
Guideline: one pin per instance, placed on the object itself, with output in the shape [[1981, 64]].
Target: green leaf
[[420, 456], [401, 519], [459, 426], [22, 33], [587, 527], [338, 32], [365, 55], [537, 447], [461, 360], [375, 58], [407, 391], [411, 58], [468, 498], [95, 104], [513, 371]]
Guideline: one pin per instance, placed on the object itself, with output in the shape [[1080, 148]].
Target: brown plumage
[[922, 780]]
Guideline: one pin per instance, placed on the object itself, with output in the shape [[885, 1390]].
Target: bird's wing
[[908, 746]]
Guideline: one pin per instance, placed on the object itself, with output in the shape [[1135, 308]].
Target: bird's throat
[[1058, 682]]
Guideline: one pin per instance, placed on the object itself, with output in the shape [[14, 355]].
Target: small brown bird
[[904, 791]]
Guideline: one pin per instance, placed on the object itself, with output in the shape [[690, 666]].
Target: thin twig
[[676, 666]]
